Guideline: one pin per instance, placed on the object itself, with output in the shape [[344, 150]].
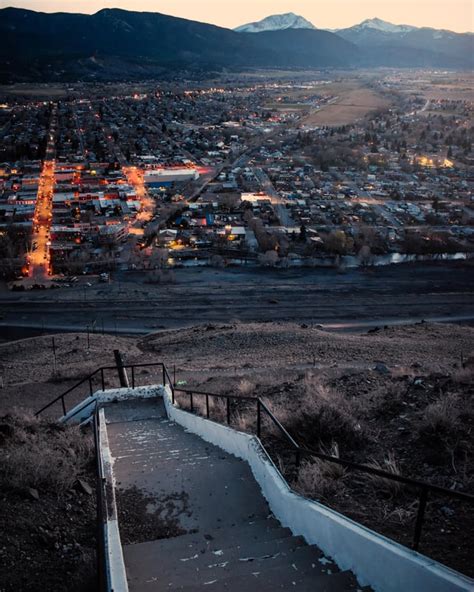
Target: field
[[454, 88], [352, 102]]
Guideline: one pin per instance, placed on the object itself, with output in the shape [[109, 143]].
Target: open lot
[[353, 102]]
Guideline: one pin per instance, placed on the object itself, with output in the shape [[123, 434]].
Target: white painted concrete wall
[[115, 565], [374, 559], [85, 408]]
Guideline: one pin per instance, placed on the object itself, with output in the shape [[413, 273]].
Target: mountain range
[[116, 44]]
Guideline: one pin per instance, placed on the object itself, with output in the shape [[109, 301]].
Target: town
[[304, 172]]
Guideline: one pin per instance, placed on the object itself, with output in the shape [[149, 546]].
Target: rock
[[381, 368], [447, 511], [83, 486], [33, 493]]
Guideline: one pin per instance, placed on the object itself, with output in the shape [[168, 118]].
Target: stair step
[[299, 561], [276, 578], [212, 539], [194, 561]]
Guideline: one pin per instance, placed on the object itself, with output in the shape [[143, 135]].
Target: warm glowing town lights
[[39, 257]]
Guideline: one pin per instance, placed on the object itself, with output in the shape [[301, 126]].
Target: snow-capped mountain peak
[[276, 22], [384, 26]]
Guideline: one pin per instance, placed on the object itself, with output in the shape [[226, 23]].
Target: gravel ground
[[271, 352]]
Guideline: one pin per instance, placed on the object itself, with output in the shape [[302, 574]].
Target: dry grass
[[40, 455], [321, 416], [464, 375], [441, 418], [387, 487], [320, 479], [246, 388], [353, 104]]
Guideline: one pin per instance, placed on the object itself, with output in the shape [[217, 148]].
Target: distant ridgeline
[[116, 44]]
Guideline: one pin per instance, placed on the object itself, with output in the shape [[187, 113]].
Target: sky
[[455, 15]]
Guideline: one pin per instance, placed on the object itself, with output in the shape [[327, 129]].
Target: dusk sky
[[456, 15]]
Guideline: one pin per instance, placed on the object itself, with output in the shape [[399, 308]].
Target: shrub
[[441, 418], [322, 416], [318, 478], [42, 455]]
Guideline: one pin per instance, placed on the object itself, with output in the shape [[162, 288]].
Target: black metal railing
[[100, 375], [423, 488]]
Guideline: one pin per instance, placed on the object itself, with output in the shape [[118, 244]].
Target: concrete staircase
[[233, 542], [255, 556]]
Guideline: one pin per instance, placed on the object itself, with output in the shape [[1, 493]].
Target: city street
[[39, 258]]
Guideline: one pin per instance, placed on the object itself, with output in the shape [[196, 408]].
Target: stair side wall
[[375, 560]]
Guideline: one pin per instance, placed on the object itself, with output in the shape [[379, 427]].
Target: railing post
[[192, 402], [172, 393], [122, 372], [174, 374], [259, 419], [419, 517], [102, 380], [64, 406], [228, 411], [207, 406], [133, 377]]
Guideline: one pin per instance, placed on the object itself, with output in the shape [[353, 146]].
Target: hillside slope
[[119, 44]]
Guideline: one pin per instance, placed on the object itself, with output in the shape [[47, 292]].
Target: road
[[39, 258], [277, 201], [135, 177]]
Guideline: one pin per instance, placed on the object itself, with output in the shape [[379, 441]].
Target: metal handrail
[[424, 487], [282, 429], [101, 370]]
